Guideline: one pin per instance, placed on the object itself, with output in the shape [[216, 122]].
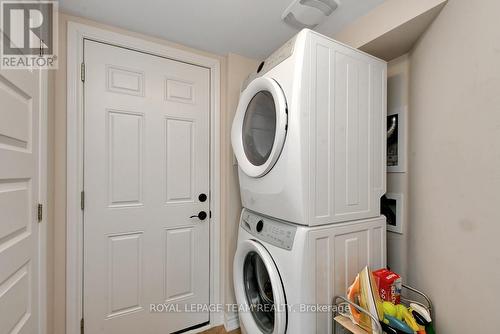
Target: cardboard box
[[389, 285]]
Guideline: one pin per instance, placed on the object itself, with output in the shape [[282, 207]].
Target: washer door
[[259, 126], [259, 291]]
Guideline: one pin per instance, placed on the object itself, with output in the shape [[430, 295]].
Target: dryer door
[[259, 126], [259, 290]]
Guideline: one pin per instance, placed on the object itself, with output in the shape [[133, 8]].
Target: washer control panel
[[271, 231]]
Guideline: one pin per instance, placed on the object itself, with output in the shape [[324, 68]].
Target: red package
[[389, 285]]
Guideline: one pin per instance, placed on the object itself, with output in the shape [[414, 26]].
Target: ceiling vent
[[308, 13]]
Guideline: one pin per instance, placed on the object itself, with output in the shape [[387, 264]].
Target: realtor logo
[[28, 34]]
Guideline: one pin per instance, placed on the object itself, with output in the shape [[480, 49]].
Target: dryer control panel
[[274, 59], [268, 230]]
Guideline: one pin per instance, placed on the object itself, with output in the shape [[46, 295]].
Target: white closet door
[[19, 244], [146, 164]]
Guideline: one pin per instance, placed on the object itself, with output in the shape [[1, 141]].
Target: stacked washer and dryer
[[309, 136]]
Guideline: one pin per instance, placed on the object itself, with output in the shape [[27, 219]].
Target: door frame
[[77, 33], [43, 198]]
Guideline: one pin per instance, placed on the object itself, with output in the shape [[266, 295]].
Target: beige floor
[[220, 330]]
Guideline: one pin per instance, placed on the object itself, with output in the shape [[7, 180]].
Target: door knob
[[202, 215]]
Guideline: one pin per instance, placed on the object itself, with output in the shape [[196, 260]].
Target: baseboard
[[231, 321], [217, 318]]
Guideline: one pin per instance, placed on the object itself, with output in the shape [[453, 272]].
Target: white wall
[[238, 68], [454, 251]]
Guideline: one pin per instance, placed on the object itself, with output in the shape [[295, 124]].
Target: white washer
[[282, 272], [309, 133]]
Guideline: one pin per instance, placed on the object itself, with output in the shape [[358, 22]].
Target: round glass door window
[[259, 292], [259, 128]]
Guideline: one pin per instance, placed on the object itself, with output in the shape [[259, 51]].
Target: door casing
[[76, 35]]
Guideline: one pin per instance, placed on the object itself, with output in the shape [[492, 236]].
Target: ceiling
[[251, 28]]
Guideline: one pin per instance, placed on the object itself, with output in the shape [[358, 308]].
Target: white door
[[19, 244], [146, 178]]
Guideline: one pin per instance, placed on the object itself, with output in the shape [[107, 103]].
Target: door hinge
[[81, 326], [41, 48], [82, 200], [40, 212], [82, 72]]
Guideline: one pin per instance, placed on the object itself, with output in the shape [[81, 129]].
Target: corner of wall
[[397, 182], [238, 68]]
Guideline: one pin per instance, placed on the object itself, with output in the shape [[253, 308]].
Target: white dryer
[[309, 133], [285, 275]]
